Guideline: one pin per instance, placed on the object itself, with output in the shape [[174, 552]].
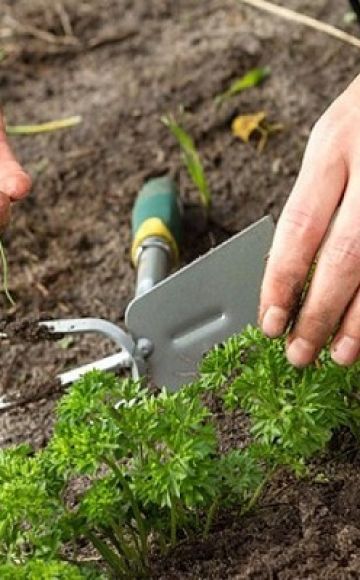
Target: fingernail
[[274, 321], [346, 350], [300, 352]]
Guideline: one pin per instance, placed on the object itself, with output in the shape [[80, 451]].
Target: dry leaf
[[244, 126]]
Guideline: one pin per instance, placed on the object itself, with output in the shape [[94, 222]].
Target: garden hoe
[[175, 319]]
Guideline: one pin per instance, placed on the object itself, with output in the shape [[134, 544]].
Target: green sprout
[[252, 78], [43, 127], [190, 157]]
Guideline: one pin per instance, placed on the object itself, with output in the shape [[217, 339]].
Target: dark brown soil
[[301, 529], [124, 64]]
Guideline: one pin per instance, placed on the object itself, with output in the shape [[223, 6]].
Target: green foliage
[[85, 428], [241, 474], [29, 513], [252, 78], [159, 451], [220, 364], [293, 412], [52, 570], [191, 158], [156, 472]]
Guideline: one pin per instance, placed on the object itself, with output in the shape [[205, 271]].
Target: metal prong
[[132, 357], [110, 363], [92, 325], [116, 361]]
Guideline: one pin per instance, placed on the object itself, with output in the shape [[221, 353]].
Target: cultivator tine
[[95, 326], [129, 357], [120, 360]]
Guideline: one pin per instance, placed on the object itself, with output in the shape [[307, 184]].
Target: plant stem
[[5, 275], [173, 524], [132, 553], [257, 493], [118, 541], [134, 505], [116, 563], [210, 516]]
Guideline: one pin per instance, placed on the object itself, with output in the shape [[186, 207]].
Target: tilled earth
[[122, 64]]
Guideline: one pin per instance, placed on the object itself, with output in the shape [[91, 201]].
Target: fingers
[[4, 210], [335, 281], [301, 229], [14, 181], [329, 175], [345, 349]]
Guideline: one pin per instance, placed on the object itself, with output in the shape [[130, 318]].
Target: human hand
[[329, 179], [14, 181]]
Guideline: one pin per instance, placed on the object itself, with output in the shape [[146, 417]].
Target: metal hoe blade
[[201, 305]]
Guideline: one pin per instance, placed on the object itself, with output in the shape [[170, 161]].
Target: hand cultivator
[[174, 319]]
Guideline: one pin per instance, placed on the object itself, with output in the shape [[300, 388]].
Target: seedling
[[252, 78], [4, 267], [43, 127], [190, 157]]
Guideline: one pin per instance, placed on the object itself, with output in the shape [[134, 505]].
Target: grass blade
[[43, 127], [4, 267], [252, 78], [191, 158]]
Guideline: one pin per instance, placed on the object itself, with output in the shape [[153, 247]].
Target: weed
[[43, 127], [252, 78], [4, 266], [191, 158]]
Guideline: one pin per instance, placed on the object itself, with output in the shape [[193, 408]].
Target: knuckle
[[335, 132], [300, 223], [326, 128], [343, 253], [329, 137]]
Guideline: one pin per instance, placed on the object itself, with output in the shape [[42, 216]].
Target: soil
[[121, 64]]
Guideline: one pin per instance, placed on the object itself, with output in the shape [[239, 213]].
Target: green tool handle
[[157, 213]]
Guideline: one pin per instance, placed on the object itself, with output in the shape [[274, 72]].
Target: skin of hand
[[328, 184], [15, 183]]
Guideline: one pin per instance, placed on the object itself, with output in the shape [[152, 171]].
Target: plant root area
[[121, 64]]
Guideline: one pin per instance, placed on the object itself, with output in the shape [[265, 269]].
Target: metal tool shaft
[[154, 264]]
